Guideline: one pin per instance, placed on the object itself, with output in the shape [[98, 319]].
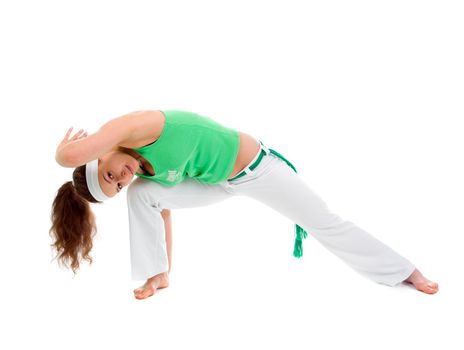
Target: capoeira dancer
[[184, 160]]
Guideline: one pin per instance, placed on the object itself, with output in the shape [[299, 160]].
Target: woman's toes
[[429, 287], [144, 292]]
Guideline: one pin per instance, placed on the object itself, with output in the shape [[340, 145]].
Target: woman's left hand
[[66, 140], [79, 135]]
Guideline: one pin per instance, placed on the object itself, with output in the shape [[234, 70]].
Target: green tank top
[[191, 145]]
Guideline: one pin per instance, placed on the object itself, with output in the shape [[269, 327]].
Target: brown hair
[[73, 222]]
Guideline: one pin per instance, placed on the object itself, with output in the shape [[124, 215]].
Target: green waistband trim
[[251, 167], [283, 158]]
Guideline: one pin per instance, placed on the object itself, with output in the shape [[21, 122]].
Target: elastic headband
[[91, 175]]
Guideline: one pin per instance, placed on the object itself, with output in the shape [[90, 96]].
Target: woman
[[184, 160]]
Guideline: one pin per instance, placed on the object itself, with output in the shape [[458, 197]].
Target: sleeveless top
[[191, 145]]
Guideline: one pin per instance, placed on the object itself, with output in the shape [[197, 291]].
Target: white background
[[364, 97]]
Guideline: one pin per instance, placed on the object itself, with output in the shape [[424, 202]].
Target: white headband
[[91, 175]]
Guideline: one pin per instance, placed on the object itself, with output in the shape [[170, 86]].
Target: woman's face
[[116, 170]]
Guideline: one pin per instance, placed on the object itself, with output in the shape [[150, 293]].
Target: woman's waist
[[248, 150]]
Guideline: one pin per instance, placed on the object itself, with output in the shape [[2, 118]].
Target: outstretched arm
[[166, 214]]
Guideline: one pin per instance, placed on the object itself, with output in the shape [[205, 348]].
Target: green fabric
[[191, 145]]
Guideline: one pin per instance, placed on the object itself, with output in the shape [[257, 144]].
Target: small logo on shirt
[[172, 174]]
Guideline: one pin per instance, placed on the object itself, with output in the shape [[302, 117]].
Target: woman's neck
[[144, 166]]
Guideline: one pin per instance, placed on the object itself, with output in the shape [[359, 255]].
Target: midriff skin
[[247, 151]]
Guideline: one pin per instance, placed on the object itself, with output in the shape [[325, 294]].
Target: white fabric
[[91, 175], [274, 184]]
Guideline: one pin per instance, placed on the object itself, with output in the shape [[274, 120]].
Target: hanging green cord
[[300, 233]]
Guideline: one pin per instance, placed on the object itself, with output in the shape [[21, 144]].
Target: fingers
[[66, 137], [79, 135]]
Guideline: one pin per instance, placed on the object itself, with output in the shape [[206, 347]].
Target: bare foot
[[152, 285], [421, 283]]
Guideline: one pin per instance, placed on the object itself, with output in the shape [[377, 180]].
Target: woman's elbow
[[66, 160]]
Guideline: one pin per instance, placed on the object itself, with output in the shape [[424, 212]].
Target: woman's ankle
[[162, 277]]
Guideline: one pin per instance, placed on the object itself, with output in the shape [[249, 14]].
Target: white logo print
[[172, 174]]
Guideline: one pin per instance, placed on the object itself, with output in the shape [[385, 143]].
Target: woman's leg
[[275, 184], [146, 200]]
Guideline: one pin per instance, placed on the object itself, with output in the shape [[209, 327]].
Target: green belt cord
[[300, 233]]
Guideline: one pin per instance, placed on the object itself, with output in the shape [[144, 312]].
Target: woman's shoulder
[[145, 125]]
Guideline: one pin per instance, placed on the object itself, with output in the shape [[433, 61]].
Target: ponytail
[[73, 222]]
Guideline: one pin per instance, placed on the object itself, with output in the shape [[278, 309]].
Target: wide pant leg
[[275, 184], [145, 201]]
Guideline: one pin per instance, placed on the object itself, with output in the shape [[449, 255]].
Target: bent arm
[[118, 131]]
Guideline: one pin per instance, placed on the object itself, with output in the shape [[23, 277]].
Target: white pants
[[275, 184]]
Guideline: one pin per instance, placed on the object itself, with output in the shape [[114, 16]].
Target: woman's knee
[[144, 190], [325, 220]]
